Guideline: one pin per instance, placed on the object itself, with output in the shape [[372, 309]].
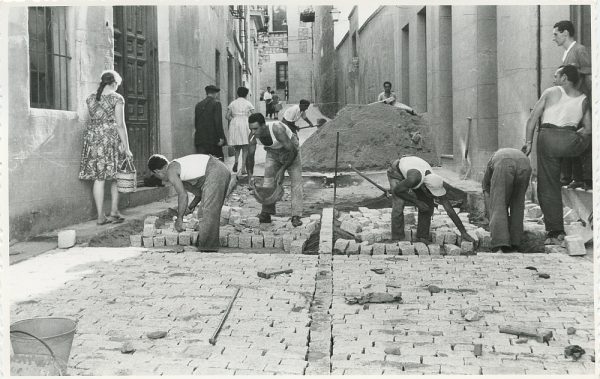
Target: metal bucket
[[44, 336]]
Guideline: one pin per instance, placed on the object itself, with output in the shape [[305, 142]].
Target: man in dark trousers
[[576, 172], [295, 113], [412, 180], [561, 108], [208, 120], [504, 185]]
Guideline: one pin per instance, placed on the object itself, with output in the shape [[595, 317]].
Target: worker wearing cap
[[504, 185], [204, 176], [412, 180], [295, 113]]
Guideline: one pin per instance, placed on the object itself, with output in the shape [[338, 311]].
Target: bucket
[[49, 336]]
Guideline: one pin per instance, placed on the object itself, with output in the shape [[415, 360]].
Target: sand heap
[[371, 136]]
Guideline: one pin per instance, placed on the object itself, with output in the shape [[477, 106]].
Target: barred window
[[48, 58]]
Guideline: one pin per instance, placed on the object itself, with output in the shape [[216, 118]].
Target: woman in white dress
[[237, 114]]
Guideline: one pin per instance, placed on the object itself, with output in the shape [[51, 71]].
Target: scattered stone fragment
[[378, 248], [452, 249], [555, 249], [258, 241], [365, 248], [421, 248], [433, 289], [148, 241], [533, 211], [351, 226], [340, 246], [378, 270], [352, 248], [521, 340], [531, 268], [149, 230], [374, 297], [471, 314], [159, 241], [297, 246], [270, 274], [571, 330], [151, 220], [392, 249], [392, 351], [127, 348], [574, 351], [156, 335], [541, 337], [434, 249], [466, 247], [544, 276], [478, 350]]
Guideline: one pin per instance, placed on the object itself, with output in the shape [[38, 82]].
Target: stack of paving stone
[[235, 231], [372, 231]]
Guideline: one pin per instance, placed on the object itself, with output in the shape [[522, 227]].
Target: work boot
[[296, 221], [234, 169], [555, 237], [264, 218]]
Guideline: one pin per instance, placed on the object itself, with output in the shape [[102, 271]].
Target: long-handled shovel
[[385, 191]]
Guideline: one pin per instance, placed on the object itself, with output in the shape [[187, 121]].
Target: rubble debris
[[478, 349], [574, 351], [531, 268], [156, 335], [575, 245], [374, 297], [378, 134], [270, 274], [544, 276], [127, 348], [521, 340], [571, 330], [378, 270], [433, 289], [392, 351], [471, 314], [533, 333]]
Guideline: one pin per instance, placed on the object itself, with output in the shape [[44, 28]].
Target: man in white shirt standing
[[576, 172], [295, 113], [267, 97]]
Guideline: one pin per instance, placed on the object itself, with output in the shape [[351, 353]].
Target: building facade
[[166, 56], [471, 70]]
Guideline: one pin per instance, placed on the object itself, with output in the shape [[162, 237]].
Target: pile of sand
[[371, 136]]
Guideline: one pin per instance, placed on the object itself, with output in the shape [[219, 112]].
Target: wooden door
[[136, 59]]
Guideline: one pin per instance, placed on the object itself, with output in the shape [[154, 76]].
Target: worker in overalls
[[283, 154], [208, 179], [412, 180]]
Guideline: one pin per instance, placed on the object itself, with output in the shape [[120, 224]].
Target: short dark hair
[[384, 83], [304, 102], [156, 162], [565, 25], [256, 117], [571, 72], [242, 91]]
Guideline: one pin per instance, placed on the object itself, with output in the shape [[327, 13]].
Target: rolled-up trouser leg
[[397, 205], [213, 195], [272, 165], [424, 219], [517, 201], [501, 189], [295, 172]]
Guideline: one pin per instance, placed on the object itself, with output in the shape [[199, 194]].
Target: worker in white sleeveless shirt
[[561, 108], [208, 179], [412, 180], [283, 154]]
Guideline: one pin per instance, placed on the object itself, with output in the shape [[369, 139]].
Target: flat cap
[[212, 88]]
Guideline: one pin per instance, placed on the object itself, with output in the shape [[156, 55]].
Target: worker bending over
[[504, 185], [295, 113], [412, 180], [283, 154], [208, 179]]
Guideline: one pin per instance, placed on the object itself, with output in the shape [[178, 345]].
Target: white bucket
[[66, 239], [575, 245]]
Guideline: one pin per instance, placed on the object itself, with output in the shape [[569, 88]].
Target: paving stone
[[184, 238], [366, 248], [287, 242], [233, 240], [392, 249], [421, 248], [269, 240], [149, 230], [171, 238], [466, 247], [159, 241], [407, 248], [258, 241], [452, 249], [297, 246], [351, 226], [340, 246], [437, 237], [278, 242], [148, 241], [378, 249], [450, 238], [135, 240], [245, 241], [352, 248], [194, 238]]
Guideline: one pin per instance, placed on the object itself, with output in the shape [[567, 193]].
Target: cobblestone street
[[269, 328]]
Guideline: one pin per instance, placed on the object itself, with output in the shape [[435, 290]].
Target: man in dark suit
[[208, 121]]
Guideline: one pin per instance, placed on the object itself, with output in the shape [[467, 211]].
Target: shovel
[[385, 191]]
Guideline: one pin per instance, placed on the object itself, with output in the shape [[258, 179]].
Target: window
[[48, 58], [282, 74], [280, 18]]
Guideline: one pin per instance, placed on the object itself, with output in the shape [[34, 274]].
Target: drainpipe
[[539, 52], [246, 34]]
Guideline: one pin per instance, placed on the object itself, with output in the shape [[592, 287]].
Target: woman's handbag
[[126, 177]]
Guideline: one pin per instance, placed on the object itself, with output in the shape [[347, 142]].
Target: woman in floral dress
[[237, 113], [105, 143]]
